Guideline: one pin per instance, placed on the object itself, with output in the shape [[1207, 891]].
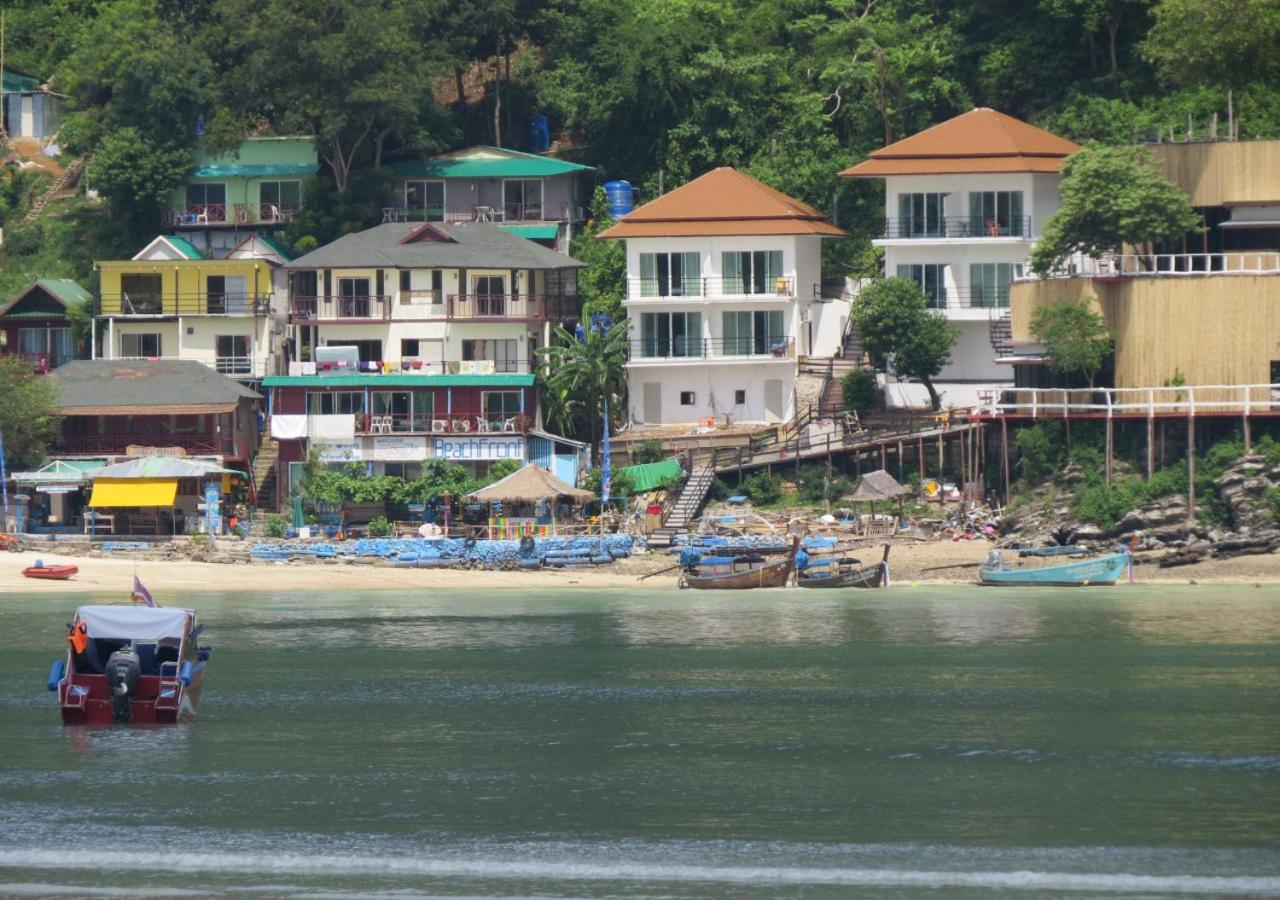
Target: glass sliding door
[[670, 275], [997, 214], [671, 334], [920, 215], [989, 283], [753, 272]]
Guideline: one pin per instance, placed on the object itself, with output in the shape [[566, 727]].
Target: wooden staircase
[[687, 506], [1000, 328], [264, 472], [64, 182]]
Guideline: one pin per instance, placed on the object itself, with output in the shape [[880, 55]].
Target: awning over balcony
[[535, 232], [134, 492]]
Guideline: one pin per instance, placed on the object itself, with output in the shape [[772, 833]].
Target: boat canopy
[[135, 623]]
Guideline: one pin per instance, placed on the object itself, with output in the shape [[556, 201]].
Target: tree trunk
[[882, 99], [377, 147], [935, 401], [462, 91], [340, 161], [497, 100], [1113, 30]]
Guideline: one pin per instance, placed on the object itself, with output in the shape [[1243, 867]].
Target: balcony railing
[[416, 366], [713, 348], [200, 214], [1256, 262], [364, 307], [936, 228], [510, 212], [234, 365], [970, 298], [442, 423], [529, 307], [116, 443], [133, 303], [780, 287]]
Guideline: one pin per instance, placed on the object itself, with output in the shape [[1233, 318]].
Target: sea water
[[900, 743]]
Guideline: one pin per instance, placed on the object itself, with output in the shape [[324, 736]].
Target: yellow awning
[[134, 492]]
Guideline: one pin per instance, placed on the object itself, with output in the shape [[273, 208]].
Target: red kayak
[[57, 573]]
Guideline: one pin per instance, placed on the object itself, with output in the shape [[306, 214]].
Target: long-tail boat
[[732, 573], [1101, 570], [845, 573]]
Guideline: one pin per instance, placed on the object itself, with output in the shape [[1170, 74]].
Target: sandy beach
[[933, 562]]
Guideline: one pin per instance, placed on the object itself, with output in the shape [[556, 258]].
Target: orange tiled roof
[[723, 202], [981, 140]]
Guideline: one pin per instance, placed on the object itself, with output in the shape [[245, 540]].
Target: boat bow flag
[[141, 594]]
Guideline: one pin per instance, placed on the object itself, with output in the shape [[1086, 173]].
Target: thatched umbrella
[[879, 485], [532, 484]]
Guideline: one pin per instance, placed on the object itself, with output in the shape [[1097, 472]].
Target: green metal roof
[[64, 289], [535, 232], [185, 247], [16, 82], [487, 162], [253, 171], [322, 381], [61, 471], [277, 246]]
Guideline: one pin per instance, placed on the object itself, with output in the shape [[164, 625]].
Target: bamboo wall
[[1214, 329], [1223, 173]]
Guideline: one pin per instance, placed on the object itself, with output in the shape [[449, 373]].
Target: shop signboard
[[398, 448], [480, 447], [339, 451]]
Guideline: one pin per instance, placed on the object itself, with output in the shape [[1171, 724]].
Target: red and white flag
[[141, 594]]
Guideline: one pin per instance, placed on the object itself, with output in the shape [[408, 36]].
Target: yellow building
[[171, 301]]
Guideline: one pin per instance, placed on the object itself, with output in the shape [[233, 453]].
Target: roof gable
[[45, 297], [723, 201], [427, 233], [981, 140], [165, 248], [261, 246], [487, 162]]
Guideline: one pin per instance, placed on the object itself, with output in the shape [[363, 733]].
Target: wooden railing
[[1134, 265], [1187, 400]]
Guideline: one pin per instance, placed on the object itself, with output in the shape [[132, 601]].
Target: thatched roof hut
[[529, 485], [878, 485]]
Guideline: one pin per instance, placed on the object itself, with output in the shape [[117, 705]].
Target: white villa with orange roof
[[964, 202], [723, 281]]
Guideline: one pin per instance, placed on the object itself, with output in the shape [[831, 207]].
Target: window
[[233, 354], [752, 332], [522, 198], [408, 471], [368, 351], [490, 295], [353, 299], [408, 348], [52, 344], [224, 294], [503, 353], [205, 203], [670, 275], [392, 411], [141, 294], [500, 406], [753, 272], [424, 201], [686, 398], [670, 334], [278, 199], [139, 345], [997, 214], [989, 283], [334, 404], [405, 279], [422, 286], [920, 215], [739, 398], [932, 280]]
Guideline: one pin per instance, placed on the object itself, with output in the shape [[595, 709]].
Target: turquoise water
[[910, 742]]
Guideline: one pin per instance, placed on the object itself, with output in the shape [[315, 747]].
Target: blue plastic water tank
[[621, 197], [538, 136]]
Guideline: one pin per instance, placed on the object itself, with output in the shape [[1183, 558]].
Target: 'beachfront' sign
[[472, 448]]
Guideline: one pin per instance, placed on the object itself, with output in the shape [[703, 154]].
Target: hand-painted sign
[[478, 448]]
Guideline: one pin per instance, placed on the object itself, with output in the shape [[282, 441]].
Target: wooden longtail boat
[[845, 573], [1101, 570], [130, 664], [732, 573]]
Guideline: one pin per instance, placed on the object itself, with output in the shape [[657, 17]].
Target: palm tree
[[585, 373]]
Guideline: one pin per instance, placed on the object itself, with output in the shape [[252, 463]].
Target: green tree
[[1076, 337], [586, 373], [136, 176], [1111, 196], [603, 282], [29, 419], [860, 391], [1224, 43], [899, 329]]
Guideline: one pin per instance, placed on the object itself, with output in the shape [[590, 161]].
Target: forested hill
[[791, 90]]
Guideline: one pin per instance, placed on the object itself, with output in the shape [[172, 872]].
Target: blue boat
[[1099, 570]]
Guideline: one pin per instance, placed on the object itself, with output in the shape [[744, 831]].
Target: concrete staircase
[[1000, 329], [264, 472], [686, 507], [64, 182]]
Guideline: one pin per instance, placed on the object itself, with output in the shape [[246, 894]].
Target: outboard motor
[[123, 671]]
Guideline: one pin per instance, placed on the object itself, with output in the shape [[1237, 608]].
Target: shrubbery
[[763, 488], [861, 392]]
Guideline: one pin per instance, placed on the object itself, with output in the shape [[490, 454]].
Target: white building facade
[[964, 203], [723, 297]]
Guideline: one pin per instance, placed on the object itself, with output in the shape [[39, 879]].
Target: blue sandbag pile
[[576, 551]]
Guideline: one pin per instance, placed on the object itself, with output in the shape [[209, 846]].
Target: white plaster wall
[[1047, 200], [973, 357], [827, 321], [713, 386], [449, 335]]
